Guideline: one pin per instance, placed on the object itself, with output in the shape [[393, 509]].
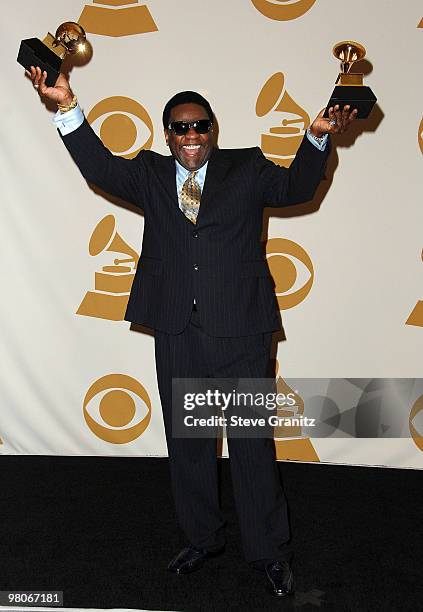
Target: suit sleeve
[[281, 186], [120, 177]]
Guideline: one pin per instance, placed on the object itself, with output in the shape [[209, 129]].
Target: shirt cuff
[[70, 121], [318, 143]]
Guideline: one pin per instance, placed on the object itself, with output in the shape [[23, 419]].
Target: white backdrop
[[364, 240]]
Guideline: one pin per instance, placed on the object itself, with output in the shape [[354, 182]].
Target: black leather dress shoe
[[279, 578], [188, 560]]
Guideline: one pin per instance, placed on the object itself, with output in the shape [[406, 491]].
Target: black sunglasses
[[201, 126]]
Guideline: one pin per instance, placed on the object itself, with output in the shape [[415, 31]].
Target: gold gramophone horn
[[106, 238], [348, 52]]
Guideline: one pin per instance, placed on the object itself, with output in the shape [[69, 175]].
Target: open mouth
[[191, 149]]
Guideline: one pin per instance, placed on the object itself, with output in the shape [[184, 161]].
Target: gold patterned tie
[[190, 198]]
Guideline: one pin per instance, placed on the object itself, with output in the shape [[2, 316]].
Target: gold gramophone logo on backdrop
[[290, 442], [416, 316], [117, 18], [283, 10], [124, 125], [117, 408], [282, 141], [112, 285], [292, 271]]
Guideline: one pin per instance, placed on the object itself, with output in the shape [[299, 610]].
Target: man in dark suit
[[203, 285]]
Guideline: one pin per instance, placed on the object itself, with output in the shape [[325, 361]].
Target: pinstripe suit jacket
[[219, 261]]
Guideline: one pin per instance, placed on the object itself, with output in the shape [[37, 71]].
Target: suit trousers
[[259, 497]]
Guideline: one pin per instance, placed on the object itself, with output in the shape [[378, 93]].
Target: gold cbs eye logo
[[289, 264], [416, 410], [115, 399], [124, 125], [283, 10]]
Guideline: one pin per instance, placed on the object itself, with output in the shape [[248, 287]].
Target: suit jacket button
[[195, 267], [195, 234]]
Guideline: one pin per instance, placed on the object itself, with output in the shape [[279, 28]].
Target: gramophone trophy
[[49, 54], [349, 87]]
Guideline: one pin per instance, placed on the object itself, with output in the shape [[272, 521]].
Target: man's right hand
[[61, 93]]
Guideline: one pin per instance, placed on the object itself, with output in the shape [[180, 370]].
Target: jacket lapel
[[167, 173], [168, 179], [216, 171]]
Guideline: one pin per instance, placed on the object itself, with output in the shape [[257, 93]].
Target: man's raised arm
[[284, 187], [116, 175]]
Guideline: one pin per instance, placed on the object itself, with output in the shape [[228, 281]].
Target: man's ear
[[166, 135]]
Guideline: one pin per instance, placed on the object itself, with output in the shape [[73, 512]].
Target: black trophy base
[[33, 52], [360, 97]]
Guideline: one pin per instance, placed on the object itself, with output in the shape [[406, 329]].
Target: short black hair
[[185, 97]]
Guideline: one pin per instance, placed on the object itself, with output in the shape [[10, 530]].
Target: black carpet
[[102, 530]]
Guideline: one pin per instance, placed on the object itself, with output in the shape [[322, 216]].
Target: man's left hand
[[337, 122]]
